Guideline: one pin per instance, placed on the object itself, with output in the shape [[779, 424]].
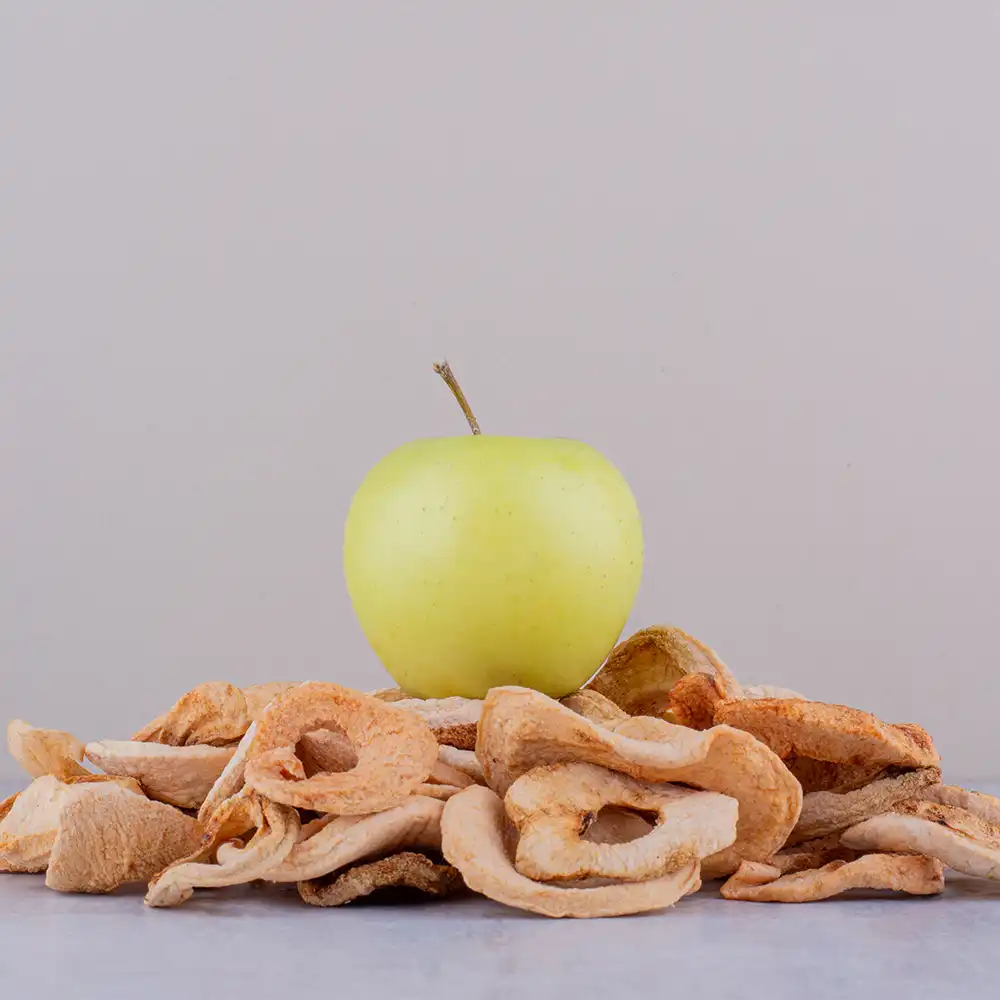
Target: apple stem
[[444, 370]]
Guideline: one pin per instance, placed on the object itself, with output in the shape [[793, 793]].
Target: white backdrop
[[749, 251]]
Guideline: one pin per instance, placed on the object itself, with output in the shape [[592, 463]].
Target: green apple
[[477, 561]]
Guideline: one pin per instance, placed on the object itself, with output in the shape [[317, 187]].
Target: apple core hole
[[616, 825], [326, 749]]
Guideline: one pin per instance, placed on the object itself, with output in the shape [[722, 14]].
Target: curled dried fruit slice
[[276, 830], [954, 836], [828, 812], [406, 870], [395, 751], [452, 720], [179, 776], [108, 836], [462, 760], [214, 713], [762, 883], [474, 830], [641, 671], [346, 839], [594, 706], [45, 751], [230, 781], [829, 732], [553, 806], [521, 729]]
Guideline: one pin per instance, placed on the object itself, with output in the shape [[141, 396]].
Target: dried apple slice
[[553, 806], [475, 838], [416, 823], [641, 671], [45, 751], [179, 775], [395, 751], [406, 870], [521, 729], [276, 830], [829, 732], [954, 836], [827, 812], [108, 836], [760, 883], [214, 713]]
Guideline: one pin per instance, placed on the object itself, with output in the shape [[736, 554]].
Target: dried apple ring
[[395, 749], [476, 839], [553, 807], [521, 729]]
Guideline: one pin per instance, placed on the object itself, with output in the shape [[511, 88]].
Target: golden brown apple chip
[[954, 836], [641, 671], [553, 806], [521, 729], [406, 870], [45, 751], [829, 732], [347, 839], [29, 820], [828, 812], [395, 750], [276, 829], [694, 699], [594, 706], [760, 883], [452, 720], [179, 776], [108, 836], [475, 838], [462, 760], [214, 713]]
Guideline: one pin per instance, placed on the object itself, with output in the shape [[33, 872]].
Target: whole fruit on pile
[[478, 561]]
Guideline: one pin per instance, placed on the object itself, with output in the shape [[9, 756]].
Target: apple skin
[[481, 560]]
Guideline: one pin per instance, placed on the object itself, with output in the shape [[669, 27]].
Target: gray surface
[[747, 250], [262, 941]]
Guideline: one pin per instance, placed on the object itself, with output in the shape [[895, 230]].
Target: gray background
[[749, 251]]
